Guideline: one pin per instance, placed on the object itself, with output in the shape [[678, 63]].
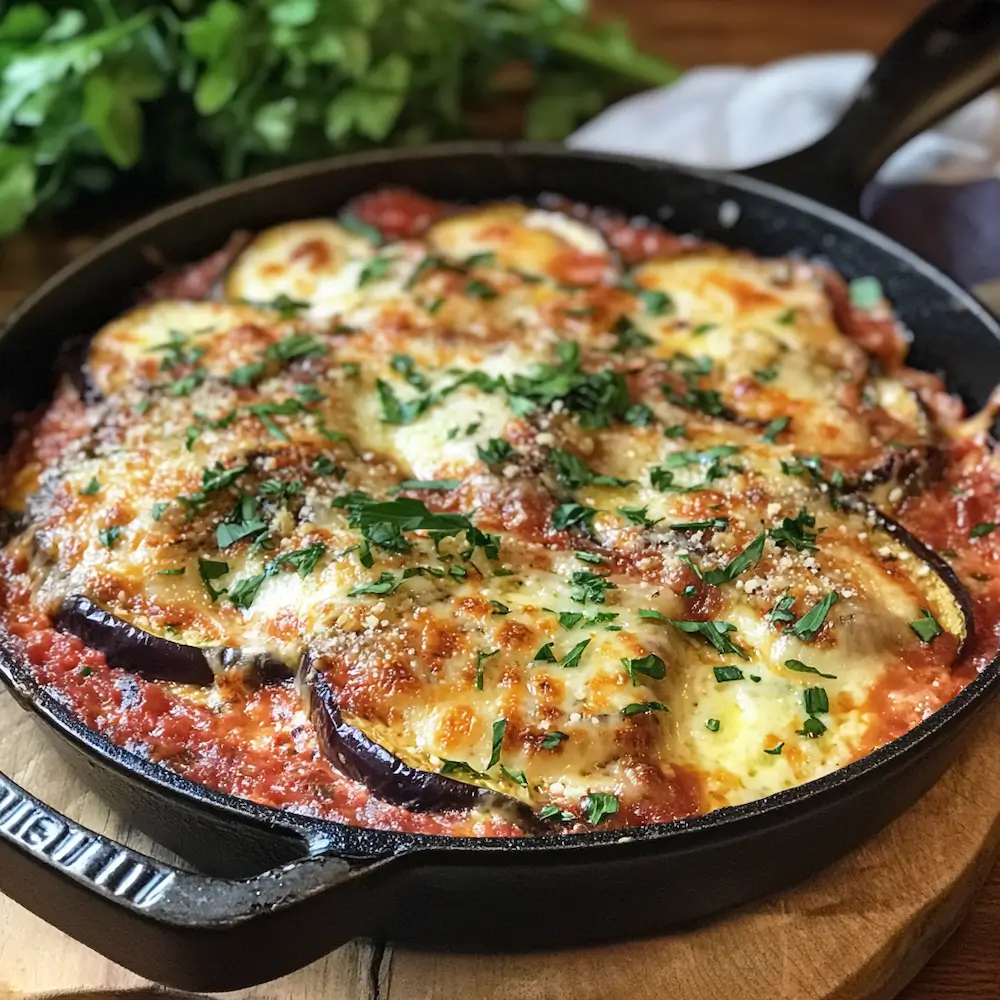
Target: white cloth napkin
[[736, 117]]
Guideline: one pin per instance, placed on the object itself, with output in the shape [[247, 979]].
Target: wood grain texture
[[858, 931]]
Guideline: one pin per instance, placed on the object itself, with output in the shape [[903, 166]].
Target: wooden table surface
[[695, 32]]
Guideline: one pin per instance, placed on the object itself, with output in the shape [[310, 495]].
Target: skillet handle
[[177, 927], [947, 57]]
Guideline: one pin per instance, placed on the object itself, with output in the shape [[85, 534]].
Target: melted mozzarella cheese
[[234, 496]]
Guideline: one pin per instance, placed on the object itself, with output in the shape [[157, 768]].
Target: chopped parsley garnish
[[589, 557], [702, 328], [774, 428], [554, 812], [440, 485], [726, 674], [811, 728], [651, 666], [630, 337], [595, 399], [803, 465], [286, 307], [459, 767], [230, 532], [716, 524], [655, 302], [553, 739], [518, 777], [209, 570], [573, 515], [570, 619], [715, 633], [265, 411], [589, 587], [740, 563], [572, 472], [374, 270], [175, 571], [768, 374], [786, 317], [298, 345], [984, 528], [387, 583], [480, 290], [405, 366], [865, 293], [248, 374], [400, 412], [601, 806], [808, 626], [109, 536], [499, 728], [544, 654], [481, 657], [495, 451], [644, 707], [638, 516], [815, 700], [803, 668], [794, 531], [94, 486], [712, 725], [350, 222], [775, 751], [782, 610], [638, 415], [572, 658], [926, 626]]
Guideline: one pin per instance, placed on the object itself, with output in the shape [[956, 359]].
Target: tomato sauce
[[261, 745]]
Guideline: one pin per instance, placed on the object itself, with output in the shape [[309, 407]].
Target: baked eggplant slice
[[151, 656], [356, 754]]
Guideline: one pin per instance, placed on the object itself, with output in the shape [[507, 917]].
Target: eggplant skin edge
[[357, 756], [938, 565], [130, 648]]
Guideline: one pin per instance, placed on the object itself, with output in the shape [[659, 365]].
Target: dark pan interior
[[953, 334]]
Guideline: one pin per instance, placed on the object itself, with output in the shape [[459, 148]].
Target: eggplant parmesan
[[500, 519]]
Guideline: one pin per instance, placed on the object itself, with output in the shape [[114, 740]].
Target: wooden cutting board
[[859, 931]]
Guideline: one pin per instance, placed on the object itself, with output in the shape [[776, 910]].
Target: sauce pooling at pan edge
[[501, 520]]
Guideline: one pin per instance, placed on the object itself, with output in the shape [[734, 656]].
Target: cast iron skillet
[[324, 883]]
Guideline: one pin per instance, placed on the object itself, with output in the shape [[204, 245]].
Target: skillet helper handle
[[177, 927], [947, 57]]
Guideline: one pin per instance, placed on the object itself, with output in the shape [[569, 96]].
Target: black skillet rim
[[328, 836]]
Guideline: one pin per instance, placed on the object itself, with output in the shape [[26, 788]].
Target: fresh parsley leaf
[[385, 584], [495, 451], [209, 570], [374, 270], [109, 536], [480, 290], [174, 571], [775, 751], [712, 725], [656, 303], [794, 531], [811, 728], [573, 515], [740, 563], [499, 728], [248, 374], [803, 668], [808, 626], [926, 626], [551, 811], [782, 610], [601, 806], [91, 488], [726, 674], [350, 222], [984, 528], [572, 658], [651, 665], [638, 415], [481, 657], [774, 428], [815, 700], [715, 524], [553, 739], [713, 632], [630, 337], [766, 375], [638, 516], [644, 707], [439, 485], [544, 654], [572, 472], [786, 317], [589, 588]]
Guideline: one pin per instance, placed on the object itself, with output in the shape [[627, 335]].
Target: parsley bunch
[[186, 93]]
